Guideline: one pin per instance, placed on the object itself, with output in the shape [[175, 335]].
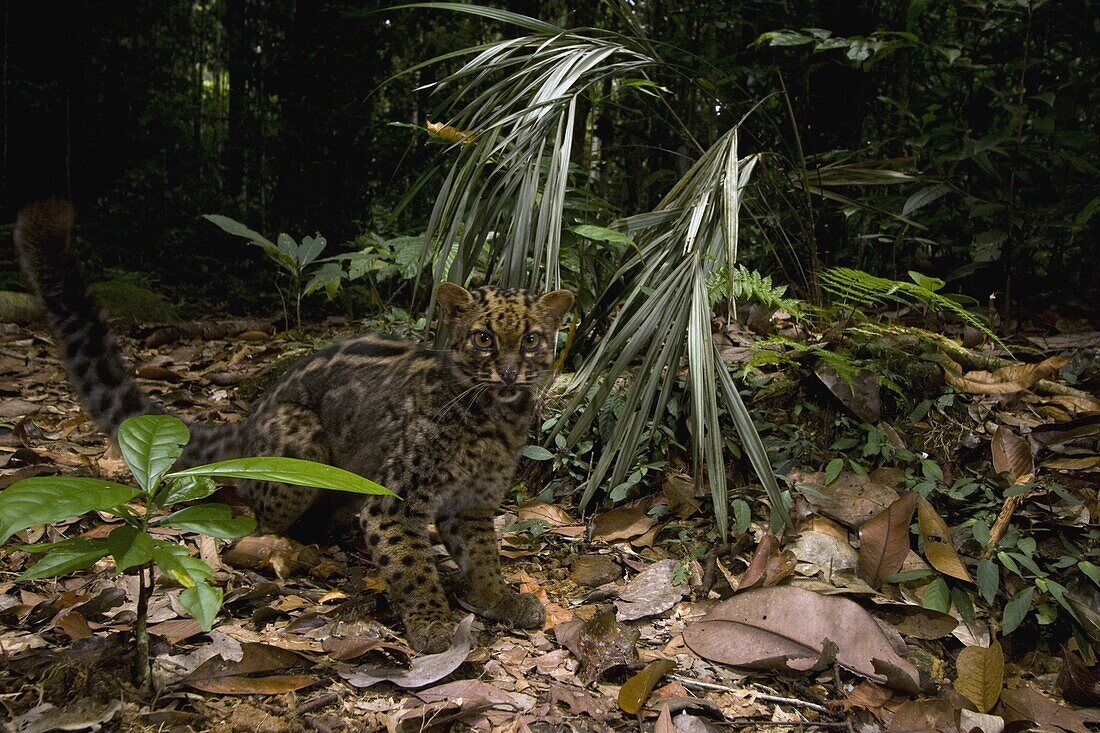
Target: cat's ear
[[557, 303], [453, 299]]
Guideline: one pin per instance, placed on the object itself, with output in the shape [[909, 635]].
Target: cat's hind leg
[[290, 431]]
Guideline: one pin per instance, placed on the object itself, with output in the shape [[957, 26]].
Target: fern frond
[[865, 289]]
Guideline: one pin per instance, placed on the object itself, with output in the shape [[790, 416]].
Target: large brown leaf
[[1027, 703], [938, 547], [1006, 380], [791, 629], [884, 540], [1011, 454], [850, 499], [980, 673]]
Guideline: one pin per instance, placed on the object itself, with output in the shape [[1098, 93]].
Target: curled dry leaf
[[1077, 682], [938, 547], [980, 674], [850, 499], [552, 514], [230, 677], [884, 540], [1011, 454], [791, 629], [636, 690], [1006, 380], [424, 669]]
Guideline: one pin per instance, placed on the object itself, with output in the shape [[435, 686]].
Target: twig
[[1004, 518], [317, 703], [689, 682]]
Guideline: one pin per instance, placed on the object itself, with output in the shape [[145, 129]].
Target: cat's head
[[503, 338]]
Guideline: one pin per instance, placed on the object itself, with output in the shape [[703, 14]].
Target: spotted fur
[[441, 428]]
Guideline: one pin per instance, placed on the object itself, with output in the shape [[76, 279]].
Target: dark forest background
[[279, 114]]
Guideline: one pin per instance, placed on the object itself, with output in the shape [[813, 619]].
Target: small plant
[[293, 259], [150, 445]]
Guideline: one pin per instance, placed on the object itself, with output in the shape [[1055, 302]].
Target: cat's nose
[[508, 373]]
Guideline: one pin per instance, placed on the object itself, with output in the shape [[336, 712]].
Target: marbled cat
[[441, 428]]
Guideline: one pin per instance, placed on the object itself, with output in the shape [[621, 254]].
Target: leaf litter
[[302, 617]]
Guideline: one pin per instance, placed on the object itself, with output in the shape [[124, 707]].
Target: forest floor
[[799, 633]]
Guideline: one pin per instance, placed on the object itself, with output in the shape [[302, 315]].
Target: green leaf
[[237, 229], [176, 562], [1091, 570], [76, 554], [536, 453], [187, 488], [288, 471], [130, 546], [923, 197], [909, 575], [602, 234], [989, 579], [151, 444], [203, 603], [832, 471], [937, 596], [742, 515], [214, 520], [1016, 610], [47, 499]]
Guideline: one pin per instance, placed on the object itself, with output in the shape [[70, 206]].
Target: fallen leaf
[[971, 722], [767, 548], [591, 571], [275, 553], [859, 393], [477, 690], [924, 716], [158, 373], [622, 523], [581, 702], [82, 714], [1027, 703], [850, 499], [867, 696], [635, 691], [650, 592], [1011, 454], [1078, 683], [424, 669], [938, 546], [176, 630], [679, 491], [788, 628], [1006, 380], [555, 612], [884, 540], [552, 514], [664, 722], [980, 674], [230, 677]]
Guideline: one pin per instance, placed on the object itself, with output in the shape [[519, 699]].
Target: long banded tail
[[88, 347]]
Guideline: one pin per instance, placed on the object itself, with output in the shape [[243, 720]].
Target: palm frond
[[663, 320]]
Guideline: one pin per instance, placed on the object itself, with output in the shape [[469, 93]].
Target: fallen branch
[[700, 684]]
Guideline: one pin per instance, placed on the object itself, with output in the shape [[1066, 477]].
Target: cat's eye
[[531, 341], [482, 339]]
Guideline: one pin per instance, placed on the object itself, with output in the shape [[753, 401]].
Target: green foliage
[[860, 287], [742, 284], [133, 302], [150, 444], [297, 261]]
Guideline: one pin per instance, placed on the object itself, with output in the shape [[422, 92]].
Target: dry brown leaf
[[938, 547], [622, 523], [600, 644], [451, 134], [1027, 703], [555, 612], [229, 677], [860, 394], [176, 630], [1077, 682], [884, 540], [1011, 454], [424, 670], [792, 629], [1072, 464], [635, 691], [276, 684], [765, 550], [851, 499], [980, 674], [867, 696], [650, 592], [1006, 380], [679, 491], [924, 716], [664, 721], [552, 514]]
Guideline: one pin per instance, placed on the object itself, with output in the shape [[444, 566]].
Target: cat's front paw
[[521, 610], [429, 634]]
